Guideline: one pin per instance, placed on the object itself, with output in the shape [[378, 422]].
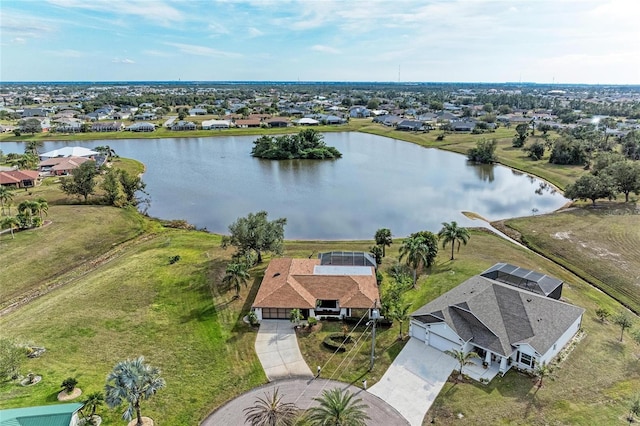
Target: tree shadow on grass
[[615, 346], [246, 306]]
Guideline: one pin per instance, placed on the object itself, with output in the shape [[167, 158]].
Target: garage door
[[419, 332], [276, 313], [442, 344]]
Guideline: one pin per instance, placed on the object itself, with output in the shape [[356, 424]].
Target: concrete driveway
[[278, 351], [414, 379], [302, 392]]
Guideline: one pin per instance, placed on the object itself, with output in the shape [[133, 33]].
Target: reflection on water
[[484, 171], [378, 183]]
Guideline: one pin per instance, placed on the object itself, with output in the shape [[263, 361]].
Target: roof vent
[[277, 274], [528, 300]]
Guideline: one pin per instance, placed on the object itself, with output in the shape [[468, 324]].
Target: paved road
[[414, 380], [278, 351], [302, 392]]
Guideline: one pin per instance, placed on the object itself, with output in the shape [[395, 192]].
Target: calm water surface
[[379, 182]]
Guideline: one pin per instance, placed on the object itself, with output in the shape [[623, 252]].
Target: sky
[[541, 41]]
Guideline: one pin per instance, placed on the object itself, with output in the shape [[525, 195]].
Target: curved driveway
[[301, 392], [278, 351]]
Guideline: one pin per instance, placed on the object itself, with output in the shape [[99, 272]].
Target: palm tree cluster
[[335, 408], [30, 213], [420, 249]]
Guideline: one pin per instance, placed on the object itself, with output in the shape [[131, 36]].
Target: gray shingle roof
[[496, 316]]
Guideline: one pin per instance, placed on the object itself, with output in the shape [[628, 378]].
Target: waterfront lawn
[[600, 244], [38, 258], [139, 304]]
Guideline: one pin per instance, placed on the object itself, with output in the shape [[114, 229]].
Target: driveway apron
[[278, 351], [414, 380]]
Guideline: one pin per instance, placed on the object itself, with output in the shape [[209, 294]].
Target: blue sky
[[566, 41]]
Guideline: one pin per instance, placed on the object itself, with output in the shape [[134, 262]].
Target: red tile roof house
[[60, 166], [317, 290], [19, 178]]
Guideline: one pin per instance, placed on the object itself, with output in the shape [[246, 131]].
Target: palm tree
[[400, 313], [92, 402], [5, 197], [542, 370], [271, 411], [462, 358], [236, 275], [383, 238], [132, 381], [338, 408], [419, 250], [43, 207], [624, 321], [452, 233], [10, 222], [32, 147], [26, 211]]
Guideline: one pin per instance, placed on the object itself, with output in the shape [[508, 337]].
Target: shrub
[[535, 151], [174, 259], [337, 342], [312, 321], [252, 317], [69, 384]]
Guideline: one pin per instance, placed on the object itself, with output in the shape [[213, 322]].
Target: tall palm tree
[[462, 358], [5, 197], [419, 250], [132, 381], [383, 238], [10, 222], [452, 233], [338, 408], [43, 207], [271, 411], [236, 275], [400, 313]]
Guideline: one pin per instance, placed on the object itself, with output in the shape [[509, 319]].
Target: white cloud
[[18, 40], [193, 49], [122, 61], [155, 11], [157, 53], [254, 32], [325, 49]]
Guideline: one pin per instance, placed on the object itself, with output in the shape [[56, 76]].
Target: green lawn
[[138, 304], [602, 245]]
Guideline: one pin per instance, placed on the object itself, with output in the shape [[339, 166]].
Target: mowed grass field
[[181, 319], [601, 244]]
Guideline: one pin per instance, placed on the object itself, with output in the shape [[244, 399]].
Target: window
[[526, 359]]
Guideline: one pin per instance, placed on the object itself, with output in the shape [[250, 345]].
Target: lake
[[378, 183]]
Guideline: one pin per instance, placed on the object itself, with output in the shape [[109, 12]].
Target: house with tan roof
[[318, 290], [60, 166]]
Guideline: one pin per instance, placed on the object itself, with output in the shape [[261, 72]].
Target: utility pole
[[375, 314]]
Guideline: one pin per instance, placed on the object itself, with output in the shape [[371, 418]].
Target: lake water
[[378, 183]]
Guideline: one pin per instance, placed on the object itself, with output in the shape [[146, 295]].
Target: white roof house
[[69, 151]]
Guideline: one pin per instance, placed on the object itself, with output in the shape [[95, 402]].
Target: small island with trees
[[307, 144]]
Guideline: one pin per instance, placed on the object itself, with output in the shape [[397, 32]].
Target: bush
[[337, 342], [535, 151], [484, 152], [312, 321], [69, 384], [252, 317], [174, 259]]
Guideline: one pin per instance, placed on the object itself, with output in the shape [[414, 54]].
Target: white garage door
[[419, 332], [442, 344]]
